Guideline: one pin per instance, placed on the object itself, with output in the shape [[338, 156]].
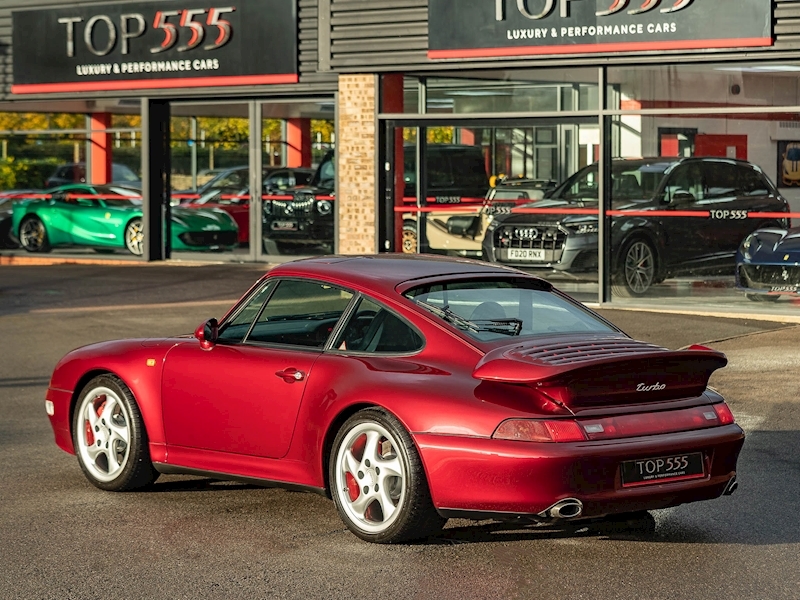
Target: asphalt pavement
[[191, 537]]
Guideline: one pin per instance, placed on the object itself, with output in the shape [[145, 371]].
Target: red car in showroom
[[410, 390]]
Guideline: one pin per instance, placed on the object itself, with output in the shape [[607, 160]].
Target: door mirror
[[682, 197], [207, 334], [463, 225]]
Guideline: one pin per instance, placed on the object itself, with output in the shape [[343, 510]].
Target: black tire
[[116, 465], [761, 298], [413, 515], [408, 241], [33, 235], [637, 270], [134, 237]]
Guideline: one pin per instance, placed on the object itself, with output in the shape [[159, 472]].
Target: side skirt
[[295, 487]]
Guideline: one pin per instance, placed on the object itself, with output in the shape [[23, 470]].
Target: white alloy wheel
[[370, 477], [104, 442], [377, 480], [134, 237], [109, 437]]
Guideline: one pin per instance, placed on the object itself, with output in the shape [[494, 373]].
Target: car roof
[[385, 272]]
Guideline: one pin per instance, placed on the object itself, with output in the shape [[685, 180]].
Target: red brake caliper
[[89, 434], [98, 409], [352, 487]]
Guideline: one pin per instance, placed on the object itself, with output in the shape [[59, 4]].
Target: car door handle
[[291, 375]]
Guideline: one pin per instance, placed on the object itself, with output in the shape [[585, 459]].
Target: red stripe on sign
[[234, 197], [186, 196], [145, 84], [589, 48]]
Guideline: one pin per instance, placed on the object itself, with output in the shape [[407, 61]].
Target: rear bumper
[[485, 477]]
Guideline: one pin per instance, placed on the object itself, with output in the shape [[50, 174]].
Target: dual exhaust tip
[[568, 508]]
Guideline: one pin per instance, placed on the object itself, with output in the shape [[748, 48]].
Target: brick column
[[356, 151]]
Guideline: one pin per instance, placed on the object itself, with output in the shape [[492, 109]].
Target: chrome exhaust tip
[[732, 486], [568, 508]]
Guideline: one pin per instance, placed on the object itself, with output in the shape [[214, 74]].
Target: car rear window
[[489, 310]]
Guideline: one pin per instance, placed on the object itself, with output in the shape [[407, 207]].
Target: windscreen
[[496, 309]]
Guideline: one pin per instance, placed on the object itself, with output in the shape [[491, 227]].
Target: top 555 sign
[[184, 43], [486, 28]]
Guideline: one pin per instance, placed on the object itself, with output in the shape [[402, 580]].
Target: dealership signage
[[487, 28], [154, 45]]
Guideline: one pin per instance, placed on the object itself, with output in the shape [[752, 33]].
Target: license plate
[[784, 288], [284, 225], [526, 254], [662, 469]]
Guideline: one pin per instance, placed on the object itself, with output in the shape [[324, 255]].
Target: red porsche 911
[[410, 390]]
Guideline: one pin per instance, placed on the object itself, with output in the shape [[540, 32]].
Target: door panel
[[229, 398]]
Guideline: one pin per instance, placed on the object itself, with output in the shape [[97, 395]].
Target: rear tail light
[[724, 413], [528, 430]]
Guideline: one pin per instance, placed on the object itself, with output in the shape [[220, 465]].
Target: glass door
[[495, 190], [211, 200]]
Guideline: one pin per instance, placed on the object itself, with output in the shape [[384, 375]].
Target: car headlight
[[749, 246], [324, 207], [584, 228]]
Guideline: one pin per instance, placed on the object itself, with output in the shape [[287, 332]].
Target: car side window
[[720, 180], [686, 179], [752, 183], [372, 328], [300, 313], [234, 330]]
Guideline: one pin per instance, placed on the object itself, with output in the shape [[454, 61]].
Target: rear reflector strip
[[671, 421], [623, 426]]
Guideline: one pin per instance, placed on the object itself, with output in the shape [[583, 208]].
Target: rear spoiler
[[603, 371]]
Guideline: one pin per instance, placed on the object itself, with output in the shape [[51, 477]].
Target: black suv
[[645, 248], [455, 173]]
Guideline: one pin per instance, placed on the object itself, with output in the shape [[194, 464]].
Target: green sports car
[[108, 217]]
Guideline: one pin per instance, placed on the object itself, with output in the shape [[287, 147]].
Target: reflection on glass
[[298, 199], [702, 85], [517, 91], [688, 232]]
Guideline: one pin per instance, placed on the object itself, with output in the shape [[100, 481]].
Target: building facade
[[505, 130]]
